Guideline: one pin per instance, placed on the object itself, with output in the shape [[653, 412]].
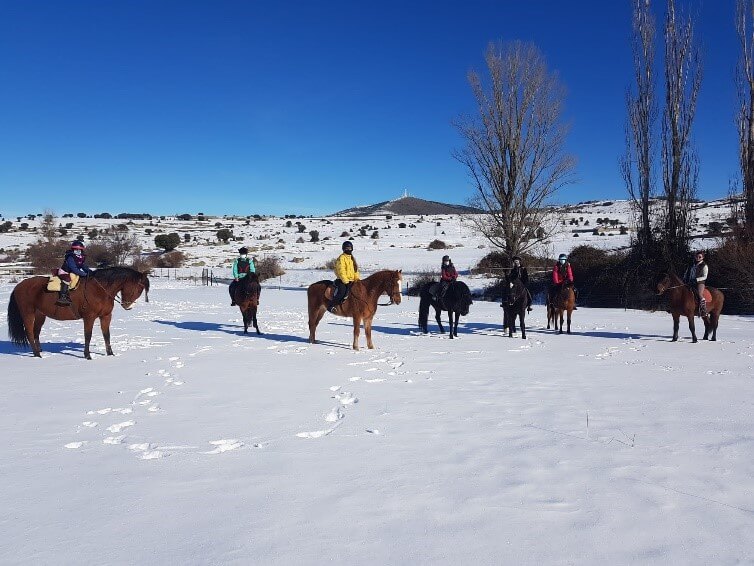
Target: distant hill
[[408, 205]]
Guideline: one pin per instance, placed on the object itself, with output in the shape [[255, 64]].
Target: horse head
[[132, 289], [396, 284], [663, 282]]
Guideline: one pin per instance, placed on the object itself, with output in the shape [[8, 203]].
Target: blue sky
[[305, 107]]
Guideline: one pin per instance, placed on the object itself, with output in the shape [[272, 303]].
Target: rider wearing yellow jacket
[[346, 271]]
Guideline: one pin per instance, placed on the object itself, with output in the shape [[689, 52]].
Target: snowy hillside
[[198, 445], [400, 242]]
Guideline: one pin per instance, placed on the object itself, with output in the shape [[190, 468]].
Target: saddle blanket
[[707, 296], [54, 283]]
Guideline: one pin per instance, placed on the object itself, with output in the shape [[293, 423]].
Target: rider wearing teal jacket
[[242, 266]]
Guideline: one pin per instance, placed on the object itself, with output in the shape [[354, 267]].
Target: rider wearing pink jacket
[[562, 272]]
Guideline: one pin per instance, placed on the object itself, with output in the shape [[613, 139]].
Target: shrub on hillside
[[314, 235], [269, 267], [224, 235], [420, 280], [167, 242], [45, 256], [437, 245], [174, 258]]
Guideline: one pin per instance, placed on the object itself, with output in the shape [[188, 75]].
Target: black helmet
[[446, 257], [243, 251], [77, 245], [516, 257], [347, 245], [562, 256]]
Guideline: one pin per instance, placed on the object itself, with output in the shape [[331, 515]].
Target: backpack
[[243, 265]]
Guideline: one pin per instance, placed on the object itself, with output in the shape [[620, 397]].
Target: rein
[[107, 293]]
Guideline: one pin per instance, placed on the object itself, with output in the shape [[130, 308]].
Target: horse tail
[[16, 328], [424, 305]]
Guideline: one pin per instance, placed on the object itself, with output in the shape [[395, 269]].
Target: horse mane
[[119, 274]]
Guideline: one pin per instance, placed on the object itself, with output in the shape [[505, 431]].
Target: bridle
[[391, 293]]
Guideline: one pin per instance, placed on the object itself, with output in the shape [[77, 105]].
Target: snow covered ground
[[198, 445]]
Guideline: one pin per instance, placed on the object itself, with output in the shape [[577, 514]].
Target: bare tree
[[637, 166], [745, 118], [119, 246], [515, 147], [683, 77]]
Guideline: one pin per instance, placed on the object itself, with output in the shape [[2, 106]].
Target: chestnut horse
[[31, 303], [361, 303], [246, 296], [562, 300], [683, 303]]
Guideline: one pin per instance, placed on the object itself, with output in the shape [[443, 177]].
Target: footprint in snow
[[75, 445], [334, 415], [152, 455], [89, 424], [335, 388], [114, 439], [224, 445], [120, 426], [154, 408], [141, 447], [346, 398]]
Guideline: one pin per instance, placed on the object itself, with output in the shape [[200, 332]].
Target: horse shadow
[[402, 331], [493, 329], [74, 349], [201, 326]]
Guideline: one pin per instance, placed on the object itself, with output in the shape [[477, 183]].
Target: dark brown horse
[[683, 303], [562, 301], [246, 296], [514, 305], [30, 305], [361, 303]]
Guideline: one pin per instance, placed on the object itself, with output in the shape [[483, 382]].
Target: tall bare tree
[[637, 165], [745, 118], [683, 77], [515, 147]]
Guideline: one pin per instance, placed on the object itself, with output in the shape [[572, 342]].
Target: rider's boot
[[702, 307], [64, 300]]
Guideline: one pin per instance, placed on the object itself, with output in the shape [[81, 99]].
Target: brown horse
[[30, 305], [683, 303], [361, 303], [246, 296], [562, 301]]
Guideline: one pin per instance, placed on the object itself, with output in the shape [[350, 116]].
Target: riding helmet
[[243, 251], [446, 258], [77, 245], [562, 256], [347, 245], [516, 257]]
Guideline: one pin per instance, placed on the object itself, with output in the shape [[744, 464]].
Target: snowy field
[[198, 445]]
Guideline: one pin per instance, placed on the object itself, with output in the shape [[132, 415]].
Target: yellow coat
[[344, 269]]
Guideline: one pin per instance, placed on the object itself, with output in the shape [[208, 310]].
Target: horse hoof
[[694, 341], [713, 339]]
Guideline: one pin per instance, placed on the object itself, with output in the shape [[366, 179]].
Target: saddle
[[330, 293], [54, 282]]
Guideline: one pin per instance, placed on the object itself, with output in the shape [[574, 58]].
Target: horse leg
[[676, 324], [569, 321], [714, 319], [458, 316], [356, 328], [692, 327], [104, 323], [314, 318], [39, 320], [560, 331], [450, 323], [511, 322], [368, 332], [521, 315], [88, 326], [438, 318], [254, 319], [30, 326], [707, 325]]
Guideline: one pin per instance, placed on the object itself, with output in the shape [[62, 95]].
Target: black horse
[[514, 304], [246, 294], [456, 300]]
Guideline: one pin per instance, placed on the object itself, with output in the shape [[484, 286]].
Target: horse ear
[[400, 271]]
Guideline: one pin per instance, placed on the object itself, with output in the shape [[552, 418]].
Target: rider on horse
[[448, 274], [74, 262], [696, 278], [561, 274], [346, 272], [518, 271], [242, 266]]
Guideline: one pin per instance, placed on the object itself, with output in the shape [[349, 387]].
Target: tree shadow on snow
[[200, 326]]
